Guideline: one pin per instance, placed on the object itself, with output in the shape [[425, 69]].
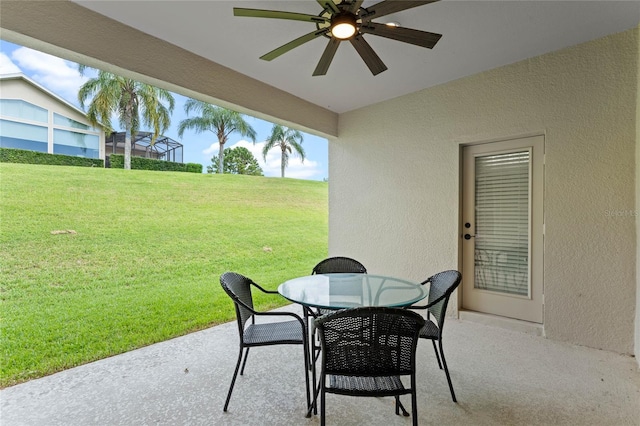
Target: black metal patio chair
[[366, 351], [293, 332], [339, 264], [442, 285], [330, 265]]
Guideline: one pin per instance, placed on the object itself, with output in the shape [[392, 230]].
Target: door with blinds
[[502, 228]]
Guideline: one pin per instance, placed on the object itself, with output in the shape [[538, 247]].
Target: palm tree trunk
[[127, 144], [127, 150], [283, 160], [221, 158]]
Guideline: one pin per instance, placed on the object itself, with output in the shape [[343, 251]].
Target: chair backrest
[[335, 265], [369, 341], [238, 287], [442, 285]]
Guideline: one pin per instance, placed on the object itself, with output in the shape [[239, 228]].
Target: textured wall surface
[[395, 187], [637, 348]]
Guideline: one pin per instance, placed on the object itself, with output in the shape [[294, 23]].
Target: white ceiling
[[477, 35]]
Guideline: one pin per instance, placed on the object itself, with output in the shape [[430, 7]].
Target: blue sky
[[62, 78]]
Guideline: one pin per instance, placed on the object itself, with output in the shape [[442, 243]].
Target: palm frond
[[132, 101], [289, 140], [221, 121]]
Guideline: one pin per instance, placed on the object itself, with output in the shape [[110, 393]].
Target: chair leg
[[246, 355], [314, 353], [436, 351], [305, 349], [414, 407], [233, 380], [322, 404], [313, 381], [316, 392], [446, 371], [307, 325], [399, 407]]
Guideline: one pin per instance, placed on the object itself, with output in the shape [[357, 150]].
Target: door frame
[[540, 199]]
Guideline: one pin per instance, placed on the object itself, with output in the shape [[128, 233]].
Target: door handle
[[468, 236]]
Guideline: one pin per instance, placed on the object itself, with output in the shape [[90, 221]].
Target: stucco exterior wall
[[395, 179], [18, 88], [637, 336]]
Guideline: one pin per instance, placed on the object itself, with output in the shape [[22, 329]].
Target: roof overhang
[[67, 30]]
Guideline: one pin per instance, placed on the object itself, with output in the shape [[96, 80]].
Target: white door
[[503, 229]]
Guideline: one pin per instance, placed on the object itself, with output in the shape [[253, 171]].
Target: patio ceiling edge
[[70, 31]]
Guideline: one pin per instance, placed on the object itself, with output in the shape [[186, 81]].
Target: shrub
[[12, 155], [116, 161], [194, 167]]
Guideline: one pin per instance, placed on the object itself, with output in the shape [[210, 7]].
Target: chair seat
[[286, 332], [429, 331], [380, 385]]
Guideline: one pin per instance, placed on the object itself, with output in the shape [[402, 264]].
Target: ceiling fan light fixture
[[343, 26], [347, 20]]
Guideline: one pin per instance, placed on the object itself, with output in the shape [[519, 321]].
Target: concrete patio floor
[[501, 377]]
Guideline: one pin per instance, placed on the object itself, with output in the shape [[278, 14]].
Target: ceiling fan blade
[[388, 7], [327, 57], [260, 13], [407, 35], [373, 61], [293, 44], [354, 6], [328, 4]]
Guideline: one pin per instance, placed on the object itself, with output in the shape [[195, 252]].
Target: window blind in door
[[502, 222]]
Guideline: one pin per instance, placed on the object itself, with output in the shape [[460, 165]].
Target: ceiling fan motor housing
[[343, 25]]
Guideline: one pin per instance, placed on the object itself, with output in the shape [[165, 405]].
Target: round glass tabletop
[[340, 291]]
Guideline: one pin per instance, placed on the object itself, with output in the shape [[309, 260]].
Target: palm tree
[[221, 121], [129, 99], [288, 140]]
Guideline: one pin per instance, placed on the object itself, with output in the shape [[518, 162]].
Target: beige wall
[[17, 88], [394, 187], [637, 338]]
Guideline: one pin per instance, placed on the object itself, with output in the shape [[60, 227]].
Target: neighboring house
[[36, 119]]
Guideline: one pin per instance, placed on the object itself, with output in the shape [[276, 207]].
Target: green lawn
[[144, 262]]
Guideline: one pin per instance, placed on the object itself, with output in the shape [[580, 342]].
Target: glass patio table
[[348, 290]]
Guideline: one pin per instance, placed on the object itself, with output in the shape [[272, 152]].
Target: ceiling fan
[[342, 20]]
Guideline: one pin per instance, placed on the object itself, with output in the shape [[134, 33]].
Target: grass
[[144, 262]]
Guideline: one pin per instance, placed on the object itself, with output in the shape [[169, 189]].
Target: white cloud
[[211, 150], [56, 74], [7, 66]]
